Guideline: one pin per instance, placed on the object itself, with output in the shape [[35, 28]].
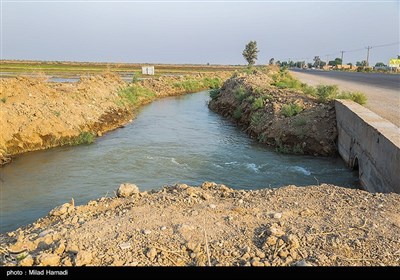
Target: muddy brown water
[[173, 140]]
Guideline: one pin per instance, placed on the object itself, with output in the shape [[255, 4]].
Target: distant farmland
[[15, 67]]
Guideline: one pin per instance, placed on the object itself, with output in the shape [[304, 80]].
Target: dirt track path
[[382, 101]]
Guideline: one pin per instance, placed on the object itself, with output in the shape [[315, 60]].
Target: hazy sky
[[207, 32]]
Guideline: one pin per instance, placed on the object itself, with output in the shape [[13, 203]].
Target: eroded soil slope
[[269, 114]]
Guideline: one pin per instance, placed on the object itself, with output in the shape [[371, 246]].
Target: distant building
[[148, 70]]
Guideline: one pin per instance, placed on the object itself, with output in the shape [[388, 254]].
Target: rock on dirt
[[127, 190], [47, 259]]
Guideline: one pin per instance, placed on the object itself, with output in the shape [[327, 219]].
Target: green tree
[[317, 61], [362, 63], [380, 64], [271, 61], [335, 62], [250, 52], [300, 64]]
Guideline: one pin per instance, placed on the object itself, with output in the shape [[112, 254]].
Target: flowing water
[[172, 140]]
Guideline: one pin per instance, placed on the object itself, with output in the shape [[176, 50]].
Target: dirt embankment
[[286, 119], [215, 225], [36, 114]]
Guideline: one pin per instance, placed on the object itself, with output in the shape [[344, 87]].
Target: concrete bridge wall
[[370, 143]]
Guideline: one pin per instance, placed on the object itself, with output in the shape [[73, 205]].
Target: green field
[[68, 69]]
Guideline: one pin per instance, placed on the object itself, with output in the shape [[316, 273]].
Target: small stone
[[151, 253], [47, 259], [66, 262], [45, 232], [125, 245], [118, 263], [292, 241], [193, 246], [277, 215], [92, 203], [163, 228], [206, 196], [246, 249], [208, 185], [306, 212], [260, 254], [240, 201], [235, 254], [99, 134], [302, 263], [74, 220], [27, 261], [60, 210], [72, 248], [146, 231], [245, 256], [127, 190], [83, 258], [283, 253], [275, 231], [271, 240], [256, 263], [213, 206], [60, 249]]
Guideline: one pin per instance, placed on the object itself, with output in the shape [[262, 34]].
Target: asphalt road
[[382, 90], [388, 81]]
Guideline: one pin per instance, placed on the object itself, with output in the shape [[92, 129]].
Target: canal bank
[[40, 115]]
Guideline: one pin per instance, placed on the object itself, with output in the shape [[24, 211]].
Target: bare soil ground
[[215, 225]]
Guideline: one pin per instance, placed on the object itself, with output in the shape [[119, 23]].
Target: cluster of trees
[[250, 53]]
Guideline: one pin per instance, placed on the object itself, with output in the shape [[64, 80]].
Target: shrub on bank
[[213, 83], [237, 114], [134, 94], [258, 103], [189, 85], [331, 92], [324, 93], [214, 93], [292, 109], [240, 93], [84, 137]]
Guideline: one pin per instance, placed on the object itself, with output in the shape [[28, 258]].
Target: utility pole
[[341, 63], [327, 58], [368, 48]]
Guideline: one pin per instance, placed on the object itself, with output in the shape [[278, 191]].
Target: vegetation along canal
[[172, 140]]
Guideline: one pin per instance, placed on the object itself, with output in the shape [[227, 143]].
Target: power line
[[355, 50], [386, 45]]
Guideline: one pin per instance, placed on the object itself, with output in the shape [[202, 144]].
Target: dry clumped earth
[[215, 225], [312, 131]]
